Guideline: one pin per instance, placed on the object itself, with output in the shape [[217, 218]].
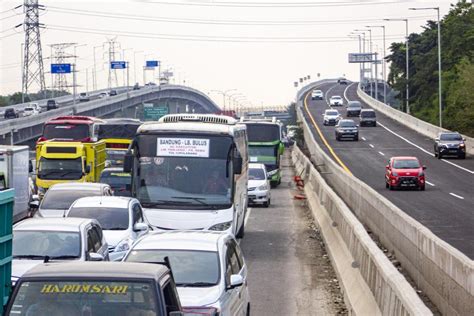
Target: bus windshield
[[120, 131], [263, 132], [65, 169], [200, 178], [66, 131], [263, 154]]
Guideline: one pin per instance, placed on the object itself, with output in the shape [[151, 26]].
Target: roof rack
[[202, 118], [258, 119]]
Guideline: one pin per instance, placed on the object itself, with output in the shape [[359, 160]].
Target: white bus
[[190, 172]]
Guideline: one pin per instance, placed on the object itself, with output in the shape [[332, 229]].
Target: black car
[[367, 117], [136, 87], [353, 108], [450, 144], [112, 93], [11, 113], [342, 81], [347, 129], [51, 105]]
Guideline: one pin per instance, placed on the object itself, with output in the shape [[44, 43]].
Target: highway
[[447, 205]]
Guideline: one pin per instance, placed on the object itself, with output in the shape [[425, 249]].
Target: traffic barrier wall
[[420, 126], [442, 272], [391, 292], [7, 199]]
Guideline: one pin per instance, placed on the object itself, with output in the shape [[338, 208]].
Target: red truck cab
[[405, 172], [71, 128]]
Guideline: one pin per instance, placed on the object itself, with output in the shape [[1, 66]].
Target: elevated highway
[[179, 99], [446, 207]]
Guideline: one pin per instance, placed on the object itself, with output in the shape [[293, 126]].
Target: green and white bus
[[265, 145]]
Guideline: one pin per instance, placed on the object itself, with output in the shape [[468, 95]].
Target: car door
[[100, 245], [90, 243], [233, 297], [137, 217]]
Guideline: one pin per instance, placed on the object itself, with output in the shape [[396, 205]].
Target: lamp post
[[135, 65], [94, 75], [363, 51], [440, 94], [371, 64], [357, 36], [407, 75], [224, 94], [74, 85], [384, 67]]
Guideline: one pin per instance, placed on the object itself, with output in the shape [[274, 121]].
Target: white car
[[336, 100], [208, 267], [83, 97], [60, 196], [331, 117], [121, 218], [29, 111], [56, 239], [258, 185], [317, 95]]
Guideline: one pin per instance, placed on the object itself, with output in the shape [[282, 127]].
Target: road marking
[[432, 184], [345, 91], [381, 153], [323, 138], [371, 145], [458, 196], [327, 93], [363, 138]]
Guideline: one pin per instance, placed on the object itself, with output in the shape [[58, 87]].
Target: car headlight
[[124, 245], [462, 145], [221, 226], [262, 187], [394, 173], [273, 172]]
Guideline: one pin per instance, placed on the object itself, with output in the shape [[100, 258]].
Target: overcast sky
[[258, 47]]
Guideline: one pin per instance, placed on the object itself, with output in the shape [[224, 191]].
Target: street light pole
[[371, 64], [407, 75], [384, 69], [440, 93]]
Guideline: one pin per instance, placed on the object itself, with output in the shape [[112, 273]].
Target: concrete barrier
[[378, 288], [442, 272], [420, 126]]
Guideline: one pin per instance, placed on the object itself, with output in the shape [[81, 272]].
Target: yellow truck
[[58, 162]]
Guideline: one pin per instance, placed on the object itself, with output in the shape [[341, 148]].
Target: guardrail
[[420, 126], [442, 272]]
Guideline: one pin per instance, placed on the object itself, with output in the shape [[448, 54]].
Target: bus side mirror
[[128, 162], [281, 149], [30, 166], [237, 161], [88, 168]]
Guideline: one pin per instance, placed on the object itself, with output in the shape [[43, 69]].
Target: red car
[[405, 172]]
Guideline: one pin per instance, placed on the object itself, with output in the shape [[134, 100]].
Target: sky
[[252, 49]]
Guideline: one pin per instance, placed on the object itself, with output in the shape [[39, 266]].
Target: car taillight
[[121, 146], [199, 311]]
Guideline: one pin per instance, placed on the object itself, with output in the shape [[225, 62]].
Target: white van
[[190, 172]]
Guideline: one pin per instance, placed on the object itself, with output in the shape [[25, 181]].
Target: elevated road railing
[[442, 272]]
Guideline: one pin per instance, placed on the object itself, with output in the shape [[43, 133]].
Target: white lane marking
[[432, 184], [424, 150], [363, 138], [381, 153], [345, 91], [327, 93], [371, 145], [458, 196]]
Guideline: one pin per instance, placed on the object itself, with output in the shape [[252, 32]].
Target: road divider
[[442, 272]]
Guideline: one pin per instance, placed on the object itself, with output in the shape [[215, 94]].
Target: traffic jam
[[142, 218]]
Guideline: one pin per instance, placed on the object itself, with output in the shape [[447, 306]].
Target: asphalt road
[[289, 271], [447, 205]]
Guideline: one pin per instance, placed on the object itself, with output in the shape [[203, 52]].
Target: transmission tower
[[33, 72], [113, 47], [59, 56]]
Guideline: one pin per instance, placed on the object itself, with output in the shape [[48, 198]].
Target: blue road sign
[[60, 68], [152, 63], [118, 65]]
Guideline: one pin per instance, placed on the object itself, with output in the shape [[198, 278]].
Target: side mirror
[[437, 139], [128, 162], [237, 162], [236, 280], [424, 167], [139, 227], [35, 197], [34, 204], [464, 139], [387, 167], [30, 166], [94, 256], [88, 168]]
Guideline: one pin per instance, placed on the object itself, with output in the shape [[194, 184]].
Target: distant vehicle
[[209, 269], [118, 180], [291, 131], [51, 105], [113, 93], [336, 100], [331, 117], [136, 86], [96, 288], [30, 111], [103, 95], [353, 108], [347, 129], [404, 172], [59, 239], [10, 113], [317, 95], [72, 128], [150, 84], [258, 185], [342, 80], [60, 197], [84, 97], [121, 219], [367, 117], [450, 144]]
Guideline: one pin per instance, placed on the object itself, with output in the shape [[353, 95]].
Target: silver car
[[36, 240], [258, 185], [59, 197], [208, 267], [121, 218]]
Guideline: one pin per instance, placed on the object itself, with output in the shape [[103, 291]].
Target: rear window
[[85, 297], [354, 105], [347, 124], [336, 97], [110, 218], [62, 199], [367, 114], [66, 131]]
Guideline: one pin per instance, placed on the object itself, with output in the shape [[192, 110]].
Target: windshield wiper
[[114, 228], [44, 257], [28, 257], [196, 284], [197, 199]]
